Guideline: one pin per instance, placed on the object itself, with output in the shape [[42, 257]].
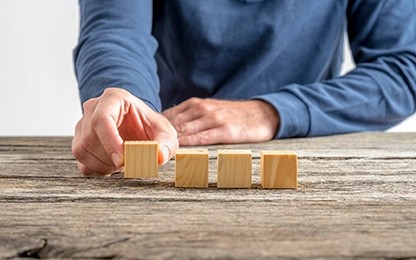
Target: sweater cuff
[[293, 113]]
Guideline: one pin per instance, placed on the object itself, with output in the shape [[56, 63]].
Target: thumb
[[168, 143]]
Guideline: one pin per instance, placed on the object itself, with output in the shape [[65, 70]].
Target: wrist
[[271, 114]]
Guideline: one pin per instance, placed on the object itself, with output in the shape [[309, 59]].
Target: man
[[230, 71]]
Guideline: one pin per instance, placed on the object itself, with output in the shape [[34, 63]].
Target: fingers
[[98, 143], [165, 134], [88, 151], [108, 114], [187, 111], [202, 124], [90, 173], [168, 143], [195, 115], [216, 135], [87, 142], [209, 121], [107, 133], [195, 121], [181, 107]]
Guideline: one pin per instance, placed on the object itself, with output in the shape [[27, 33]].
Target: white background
[[38, 90]]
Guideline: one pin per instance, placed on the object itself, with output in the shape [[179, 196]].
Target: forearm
[[379, 93], [116, 49], [372, 97]]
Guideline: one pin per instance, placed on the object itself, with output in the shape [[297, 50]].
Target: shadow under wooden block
[[279, 169], [140, 159], [234, 168], [191, 168]]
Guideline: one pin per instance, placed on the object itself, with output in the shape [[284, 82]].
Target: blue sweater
[[286, 52]]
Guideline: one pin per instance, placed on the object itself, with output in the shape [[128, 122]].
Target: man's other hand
[[210, 121]]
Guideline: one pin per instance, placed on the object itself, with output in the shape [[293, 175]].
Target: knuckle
[[178, 118], [77, 151], [96, 119], [231, 132], [227, 133], [99, 121], [204, 138], [194, 100], [181, 129], [96, 170], [228, 128], [84, 170], [89, 104], [216, 117], [187, 128], [204, 108], [110, 92], [87, 140]]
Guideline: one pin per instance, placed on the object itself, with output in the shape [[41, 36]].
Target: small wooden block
[[140, 159], [191, 168], [279, 169], [234, 168]]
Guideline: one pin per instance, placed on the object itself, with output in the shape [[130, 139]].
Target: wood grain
[[356, 199], [191, 168], [234, 168], [140, 159], [278, 169]]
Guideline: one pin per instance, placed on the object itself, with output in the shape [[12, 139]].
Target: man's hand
[[108, 120], [209, 121]]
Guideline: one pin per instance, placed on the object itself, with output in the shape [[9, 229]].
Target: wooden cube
[[234, 168], [279, 169], [140, 159], [191, 168]]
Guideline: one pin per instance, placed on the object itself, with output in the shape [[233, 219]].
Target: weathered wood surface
[[356, 199]]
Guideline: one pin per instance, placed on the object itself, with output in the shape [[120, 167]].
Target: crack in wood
[[39, 252], [31, 252]]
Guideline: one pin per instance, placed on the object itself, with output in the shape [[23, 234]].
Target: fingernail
[[165, 152], [118, 162]]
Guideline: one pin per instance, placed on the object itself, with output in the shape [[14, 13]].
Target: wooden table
[[356, 199]]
